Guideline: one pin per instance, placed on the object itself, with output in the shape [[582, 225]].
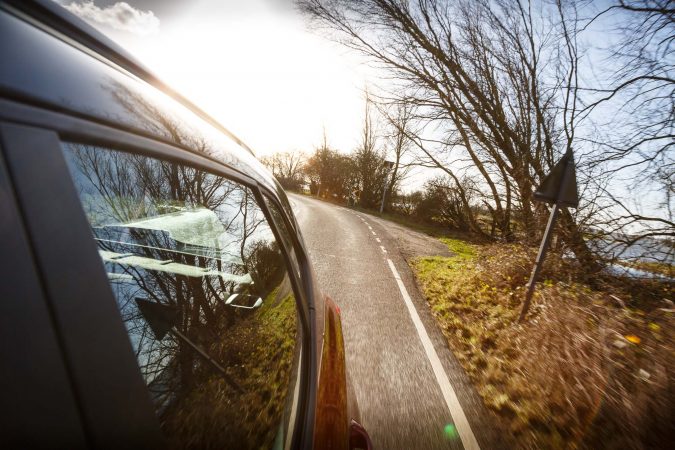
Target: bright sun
[[259, 72]]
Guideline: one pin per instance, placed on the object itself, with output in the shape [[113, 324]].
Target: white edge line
[[459, 418]]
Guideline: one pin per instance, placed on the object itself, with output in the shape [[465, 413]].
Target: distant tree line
[[360, 177]]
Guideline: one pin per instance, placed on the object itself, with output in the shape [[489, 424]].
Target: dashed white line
[[378, 239], [374, 234], [384, 250], [459, 418]]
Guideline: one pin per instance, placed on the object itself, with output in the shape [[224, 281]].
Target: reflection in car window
[[204, 293]]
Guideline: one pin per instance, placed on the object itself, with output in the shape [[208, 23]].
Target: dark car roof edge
[[57, 17]]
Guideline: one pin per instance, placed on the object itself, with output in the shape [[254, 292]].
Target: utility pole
[[389, 165], [560, 189]]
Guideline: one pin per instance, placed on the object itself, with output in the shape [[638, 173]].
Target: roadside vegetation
[[592, 366]]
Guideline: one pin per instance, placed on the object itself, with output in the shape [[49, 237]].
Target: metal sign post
[[559, 188]]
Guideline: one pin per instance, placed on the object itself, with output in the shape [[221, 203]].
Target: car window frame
[[306, 408], [92, 335], [74, 129]]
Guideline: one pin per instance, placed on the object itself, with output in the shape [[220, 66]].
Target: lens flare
[[450, 431]]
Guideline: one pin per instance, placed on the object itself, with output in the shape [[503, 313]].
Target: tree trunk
[[573, 238]]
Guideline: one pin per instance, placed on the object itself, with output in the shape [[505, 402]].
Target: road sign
[[559, 188], [551, 189], [160, 317], [162, 320]]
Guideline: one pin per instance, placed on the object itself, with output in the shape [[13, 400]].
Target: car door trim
[[115, 404]]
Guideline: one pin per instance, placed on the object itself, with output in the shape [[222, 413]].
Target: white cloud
[[120, 16]]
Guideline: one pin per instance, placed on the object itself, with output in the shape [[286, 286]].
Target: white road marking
[[374, 234], [458, 417], [384, 250], [378, 239]]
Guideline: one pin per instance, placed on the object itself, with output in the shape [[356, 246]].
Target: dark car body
[[69, 377]]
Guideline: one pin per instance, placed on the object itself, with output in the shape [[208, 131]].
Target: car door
[[180, 320], [38, 411]]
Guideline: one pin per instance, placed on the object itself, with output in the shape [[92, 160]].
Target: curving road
[[412, 393]]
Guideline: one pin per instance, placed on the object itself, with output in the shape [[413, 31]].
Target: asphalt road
[[408, 399]]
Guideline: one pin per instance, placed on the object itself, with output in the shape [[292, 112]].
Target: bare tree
[[490, 79], [287, 168], [398, 119], [330, 173], [445, 201], [368, 161], [636, 143]]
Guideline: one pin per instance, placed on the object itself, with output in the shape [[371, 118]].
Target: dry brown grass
[[591, 368]]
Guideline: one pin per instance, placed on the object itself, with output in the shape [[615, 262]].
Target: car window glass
[[287, 207], [278, 219], [204, 293]]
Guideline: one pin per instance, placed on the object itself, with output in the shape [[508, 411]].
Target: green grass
[[462, 249]]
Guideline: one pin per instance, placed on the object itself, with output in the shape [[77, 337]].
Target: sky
[[254, 65]]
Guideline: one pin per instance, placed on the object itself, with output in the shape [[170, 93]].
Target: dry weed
[[591, 368]]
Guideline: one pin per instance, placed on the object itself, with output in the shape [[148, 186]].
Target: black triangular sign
[[161, 318], [551, 189]]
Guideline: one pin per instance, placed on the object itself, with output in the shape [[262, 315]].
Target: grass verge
[[591, 368]]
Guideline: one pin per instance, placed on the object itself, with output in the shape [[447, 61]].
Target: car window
[[278, 219], [287, 207], [204, 293]]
